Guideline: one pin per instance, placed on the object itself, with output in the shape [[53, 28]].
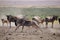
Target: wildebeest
[[22, 22], [50, 19], [11, 18], [4, 21]]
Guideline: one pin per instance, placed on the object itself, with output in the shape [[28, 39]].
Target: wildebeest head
[[11, 18], [8, 16]]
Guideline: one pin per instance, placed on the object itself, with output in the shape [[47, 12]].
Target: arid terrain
[[29, 33], [30, 8]]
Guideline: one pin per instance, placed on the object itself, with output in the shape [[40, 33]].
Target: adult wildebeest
[[4, 21], [22, 22], [50, 19], [11, 18]]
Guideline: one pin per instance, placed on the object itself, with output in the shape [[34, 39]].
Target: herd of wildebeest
[[34, 22]]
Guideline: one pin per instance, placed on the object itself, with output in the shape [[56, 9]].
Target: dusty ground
[[29, 33]]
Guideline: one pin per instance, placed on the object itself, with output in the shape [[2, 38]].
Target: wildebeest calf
[[4, 21]]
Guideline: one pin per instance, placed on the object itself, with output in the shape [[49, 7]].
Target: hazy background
[[30, 7], [30, 2]]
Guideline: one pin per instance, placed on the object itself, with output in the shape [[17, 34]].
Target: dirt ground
[[30, 33]]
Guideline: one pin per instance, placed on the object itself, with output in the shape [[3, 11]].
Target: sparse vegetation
[[30, 11]]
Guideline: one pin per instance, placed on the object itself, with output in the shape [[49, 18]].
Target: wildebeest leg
[[59, 21], [52, 24], [15, 24], [10, 24], [2, 24], [36, 26], [46, 24], [17, 27], [7, 24], [22, 28]]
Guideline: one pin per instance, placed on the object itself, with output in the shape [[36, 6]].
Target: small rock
[[41, 37], [53, 33], [9, 34]]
